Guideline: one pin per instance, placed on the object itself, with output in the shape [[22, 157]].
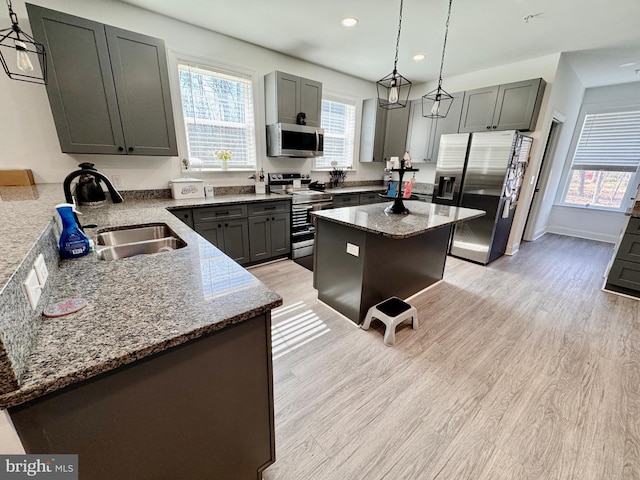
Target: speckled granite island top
[[138, 306], [424, 217], [635, 210]]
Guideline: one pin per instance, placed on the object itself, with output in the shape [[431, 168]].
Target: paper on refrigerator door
[[505, 210]]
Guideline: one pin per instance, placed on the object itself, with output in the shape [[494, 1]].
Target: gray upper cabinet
[[383, 132], [420, 133], [140, 73], [374, 121], [288, 95], [108, 88], [395, 136], [449, 124], [513, 106]]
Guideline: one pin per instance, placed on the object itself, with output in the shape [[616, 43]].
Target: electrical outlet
[[353, 249], [41, 270], [32, 288], [117, 181]]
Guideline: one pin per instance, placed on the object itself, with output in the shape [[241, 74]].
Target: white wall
[[566, 98], [593, 224], [27, 131], [583, 223]]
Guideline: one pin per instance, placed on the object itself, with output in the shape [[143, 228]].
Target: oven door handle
[[302, 207]]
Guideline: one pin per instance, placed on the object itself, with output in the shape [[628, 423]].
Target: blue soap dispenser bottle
[[73, 241]]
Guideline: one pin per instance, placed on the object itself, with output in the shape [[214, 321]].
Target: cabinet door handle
[[273, 218], [219, 225], [495, 126], [121, 149], [267, 219], [488, 127], [226, 224], [131, 149]]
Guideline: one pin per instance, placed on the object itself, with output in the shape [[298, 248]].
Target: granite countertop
[[635, 210], [138, 306], [422, 218]]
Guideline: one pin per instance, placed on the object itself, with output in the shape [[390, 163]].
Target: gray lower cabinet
[[201, 410], [370, 197], [624, 275], [185, 215], [230, 236], [346, 200], [226, 227], [513, 106], [247, 232], [269, 230], [108, 88]]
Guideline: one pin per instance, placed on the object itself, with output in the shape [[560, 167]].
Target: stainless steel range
[[304, 201]]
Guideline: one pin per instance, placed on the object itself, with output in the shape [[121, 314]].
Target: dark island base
[[384, 266], [202, 410], [625, 291]]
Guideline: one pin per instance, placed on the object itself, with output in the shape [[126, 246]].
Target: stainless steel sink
[[134, 233], [121, 242]]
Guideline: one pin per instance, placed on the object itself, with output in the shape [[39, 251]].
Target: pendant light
[[25, 52], [436, 104], [393, 90]]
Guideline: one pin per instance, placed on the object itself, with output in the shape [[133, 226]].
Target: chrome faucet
[[87, 169]]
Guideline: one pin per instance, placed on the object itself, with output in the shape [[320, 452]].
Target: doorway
[[543, 178]]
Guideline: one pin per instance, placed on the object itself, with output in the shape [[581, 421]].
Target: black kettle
[[88, 189]]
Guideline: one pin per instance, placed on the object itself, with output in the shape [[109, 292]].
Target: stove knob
[[279, 177]]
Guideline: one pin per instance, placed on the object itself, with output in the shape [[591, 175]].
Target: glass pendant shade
[[19, 52], [22, 58]]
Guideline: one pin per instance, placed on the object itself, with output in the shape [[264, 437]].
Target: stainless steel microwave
[[290, 140]]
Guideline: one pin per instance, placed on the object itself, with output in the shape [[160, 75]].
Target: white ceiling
[[600, 34]]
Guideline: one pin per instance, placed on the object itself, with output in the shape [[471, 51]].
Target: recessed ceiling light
[[628, 64], [349, 21], [419, 56]]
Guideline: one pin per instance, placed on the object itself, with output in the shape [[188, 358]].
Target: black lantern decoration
[[436, 104], [22, 46], [393, 90]]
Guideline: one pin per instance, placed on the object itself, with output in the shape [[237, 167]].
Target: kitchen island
[[364, 255], [166, 373]]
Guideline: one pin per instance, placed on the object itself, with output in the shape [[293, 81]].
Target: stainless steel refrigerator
[[483, 171]]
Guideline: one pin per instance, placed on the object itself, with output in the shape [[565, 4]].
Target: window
[[606, 158], [339, 123], [218, 117]]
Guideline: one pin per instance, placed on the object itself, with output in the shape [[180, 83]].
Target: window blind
[[609, 141], [339, 123], [218, 116]]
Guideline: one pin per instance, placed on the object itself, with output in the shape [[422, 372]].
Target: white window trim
[[176, 57], [357, 103], [591, 109]]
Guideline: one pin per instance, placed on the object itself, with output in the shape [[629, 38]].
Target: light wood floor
[[523, 369]]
